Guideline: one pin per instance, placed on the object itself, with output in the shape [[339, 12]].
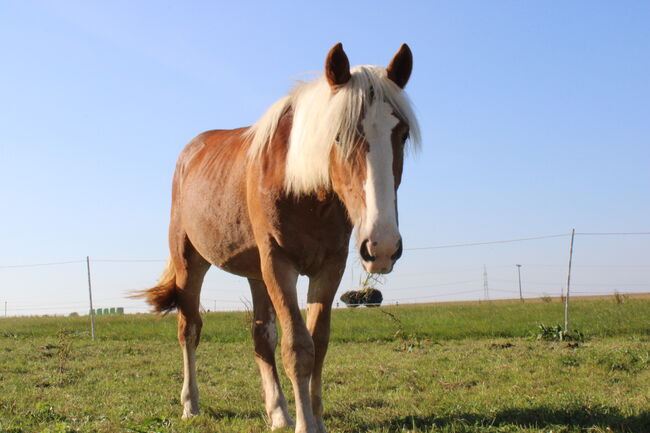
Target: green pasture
[[471, 367]]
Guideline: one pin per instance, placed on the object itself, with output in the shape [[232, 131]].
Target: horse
[[280, 199]]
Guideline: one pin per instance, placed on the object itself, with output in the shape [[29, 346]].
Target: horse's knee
[[298, 355]]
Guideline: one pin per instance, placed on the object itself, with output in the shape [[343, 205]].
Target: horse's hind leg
[[190, 270], [265, 337]]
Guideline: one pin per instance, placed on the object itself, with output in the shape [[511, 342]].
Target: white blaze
[[379, 223]]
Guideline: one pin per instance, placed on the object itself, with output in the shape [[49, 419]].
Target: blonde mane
[[321, 118]]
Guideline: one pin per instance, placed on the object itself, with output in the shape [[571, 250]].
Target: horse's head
[[348, 133], [367, 158]]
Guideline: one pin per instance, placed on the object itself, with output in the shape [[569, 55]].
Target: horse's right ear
[[337, 66]]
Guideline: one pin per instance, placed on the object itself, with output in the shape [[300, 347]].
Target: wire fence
[[72, 297]]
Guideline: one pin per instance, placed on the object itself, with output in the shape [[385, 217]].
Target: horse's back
[[209, 197]]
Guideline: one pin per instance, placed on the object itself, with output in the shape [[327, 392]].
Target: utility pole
[[5, 308], [215, 305], [568, 284], [90, 295], [521, 297], [486, 293]]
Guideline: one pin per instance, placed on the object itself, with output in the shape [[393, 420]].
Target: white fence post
[[568, 285], [90, 295]]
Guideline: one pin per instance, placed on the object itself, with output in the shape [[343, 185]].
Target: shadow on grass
[[538, 417]]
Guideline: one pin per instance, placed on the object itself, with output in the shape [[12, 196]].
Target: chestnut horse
[[280, 199]]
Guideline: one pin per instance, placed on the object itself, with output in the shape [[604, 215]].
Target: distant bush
[[369, 297], [73, 314], [619, 298]]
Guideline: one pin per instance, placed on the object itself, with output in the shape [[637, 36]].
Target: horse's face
[[368, 179]]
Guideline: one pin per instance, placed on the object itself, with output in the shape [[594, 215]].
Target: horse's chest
[[312, 230]]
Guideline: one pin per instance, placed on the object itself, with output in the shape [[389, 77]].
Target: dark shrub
[[369, 297], [351, 298]]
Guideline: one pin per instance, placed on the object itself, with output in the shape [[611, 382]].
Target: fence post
[[521, 296], [568, 284], [90, 295]]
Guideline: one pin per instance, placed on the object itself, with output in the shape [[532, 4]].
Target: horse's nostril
[[398, 253], [365, 253]]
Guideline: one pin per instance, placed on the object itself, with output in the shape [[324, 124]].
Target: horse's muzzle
[[378, 259]]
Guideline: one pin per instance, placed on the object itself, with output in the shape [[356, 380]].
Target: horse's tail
[[164, 296]]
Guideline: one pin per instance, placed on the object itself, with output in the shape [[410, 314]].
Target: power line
[[128, 260], [434, 296], [547, 283], [612, 233], [471, 244], [540, 265], [32, 265], [433, 285]]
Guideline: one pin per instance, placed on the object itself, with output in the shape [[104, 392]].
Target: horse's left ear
[[401, 66]]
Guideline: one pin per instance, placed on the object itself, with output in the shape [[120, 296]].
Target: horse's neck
[[308, 226]]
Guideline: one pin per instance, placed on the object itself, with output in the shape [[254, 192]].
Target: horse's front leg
[[265, 337], [297, 347], [322, 288]]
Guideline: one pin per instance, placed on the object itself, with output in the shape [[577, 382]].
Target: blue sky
[[535, 119]]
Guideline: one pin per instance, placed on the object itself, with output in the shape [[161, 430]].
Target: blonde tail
[[164, 296]]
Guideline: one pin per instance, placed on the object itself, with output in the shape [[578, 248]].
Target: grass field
[[421, 368]]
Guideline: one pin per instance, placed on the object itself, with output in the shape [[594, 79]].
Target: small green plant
[[556, 333], [44, 412], [151, 425], [569, 361], [59, 427]]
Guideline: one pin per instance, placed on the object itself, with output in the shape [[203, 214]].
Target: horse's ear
[[401, 66], [337, 66]]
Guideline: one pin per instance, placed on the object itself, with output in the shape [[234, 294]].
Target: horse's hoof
[[275, 427], [189, 413], [311, 428], [321, 426], [282, 423], [280, 419]]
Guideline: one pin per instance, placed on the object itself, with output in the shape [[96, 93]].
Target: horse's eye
[[405, 137]]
